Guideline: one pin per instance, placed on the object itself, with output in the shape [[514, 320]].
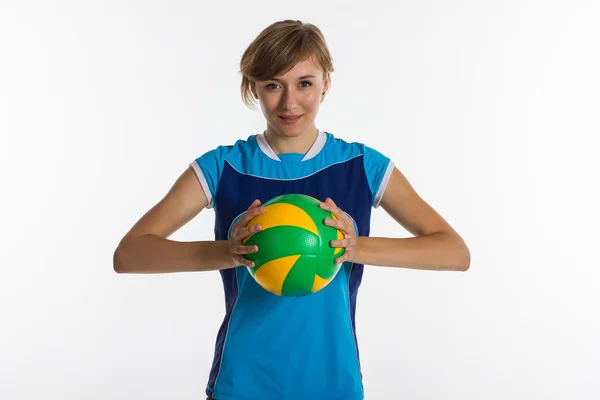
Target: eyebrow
[[302, 77]]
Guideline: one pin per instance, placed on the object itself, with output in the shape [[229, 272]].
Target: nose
[[289, 99]]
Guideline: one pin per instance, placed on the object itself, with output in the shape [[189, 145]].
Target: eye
[[308, 84], [271, 86]]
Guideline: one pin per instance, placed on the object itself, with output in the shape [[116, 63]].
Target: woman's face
[[290, 102]]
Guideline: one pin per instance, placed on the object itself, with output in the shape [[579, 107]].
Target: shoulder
[[353, 148], [377, 166], [228, 151], [209, 166]]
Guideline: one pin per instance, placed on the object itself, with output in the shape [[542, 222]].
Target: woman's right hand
[[240, 231]]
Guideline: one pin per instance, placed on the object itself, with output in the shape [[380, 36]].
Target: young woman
[[268, 346]]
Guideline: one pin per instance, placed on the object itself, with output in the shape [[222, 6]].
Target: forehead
[[302, 68]]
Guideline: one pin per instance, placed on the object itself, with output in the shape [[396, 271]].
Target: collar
[[312, 152]]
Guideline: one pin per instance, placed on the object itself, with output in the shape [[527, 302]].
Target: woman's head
[[287, 69]]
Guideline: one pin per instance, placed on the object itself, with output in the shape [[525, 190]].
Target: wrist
[[226, 256], [357, 254]]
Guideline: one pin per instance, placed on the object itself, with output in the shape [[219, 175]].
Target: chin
[[287, 131], [290, 131]]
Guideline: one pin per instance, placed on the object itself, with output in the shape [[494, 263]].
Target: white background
[[490, 108]]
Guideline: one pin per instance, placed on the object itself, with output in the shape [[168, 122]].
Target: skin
[[147, 249], [297, 92], [436, 244]]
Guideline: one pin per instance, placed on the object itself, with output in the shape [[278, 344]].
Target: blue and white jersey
[[279, 348]]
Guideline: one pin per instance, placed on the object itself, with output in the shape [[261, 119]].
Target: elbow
[[465, 262], [460, 254], [118, 263]]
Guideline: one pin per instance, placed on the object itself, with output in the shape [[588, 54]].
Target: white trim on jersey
[[313, 151], [203, 183], [383, 184]]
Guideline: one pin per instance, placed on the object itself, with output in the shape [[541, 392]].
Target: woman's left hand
[[346, 225]]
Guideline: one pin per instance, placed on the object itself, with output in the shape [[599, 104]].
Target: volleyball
[[294, 256]]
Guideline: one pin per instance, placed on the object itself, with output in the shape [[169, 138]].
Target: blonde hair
[[277, 49]]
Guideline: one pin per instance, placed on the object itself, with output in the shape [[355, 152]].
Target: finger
[[241, 249], [347, 242], [253, 210], [326, 204], [243, 232], [254, 204], [330, 206], [243, 261], [238, 254], [343, 224], [343, 258], [248, 215], [336, 223]]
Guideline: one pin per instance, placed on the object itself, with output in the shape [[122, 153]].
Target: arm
[[146, 249], [436, 245]]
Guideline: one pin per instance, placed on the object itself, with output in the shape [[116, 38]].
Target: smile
[[290, 119]]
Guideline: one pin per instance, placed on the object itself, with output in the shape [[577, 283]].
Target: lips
[[290, 118]]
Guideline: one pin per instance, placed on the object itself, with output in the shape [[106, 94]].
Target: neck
[[291, 144]]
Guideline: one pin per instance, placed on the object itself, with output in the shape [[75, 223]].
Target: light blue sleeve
[[379, 169], [208, 168]]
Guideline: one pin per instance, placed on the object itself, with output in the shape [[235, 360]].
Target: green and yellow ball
[[294, 256]]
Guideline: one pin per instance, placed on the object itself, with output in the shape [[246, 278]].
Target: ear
[[253, 89], [326, 86]]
